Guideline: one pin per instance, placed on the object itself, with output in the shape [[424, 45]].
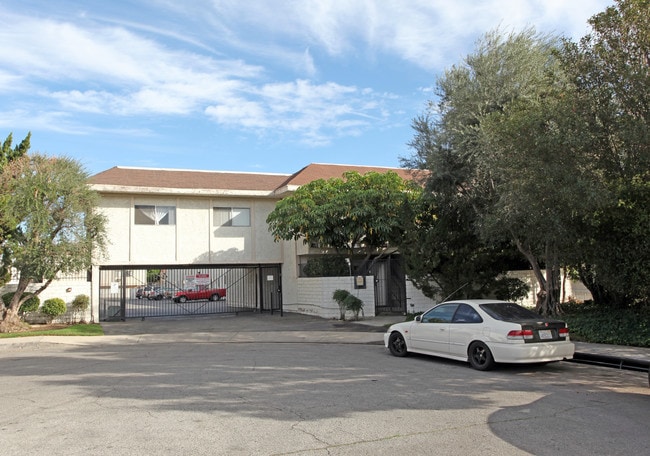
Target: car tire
[[214, 297], [182, 299], [397, 345], [480, 357]]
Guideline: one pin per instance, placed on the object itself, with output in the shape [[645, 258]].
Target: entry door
[[390, 286], [271, 289]]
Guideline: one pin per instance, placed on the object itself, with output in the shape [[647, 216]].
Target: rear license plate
[[545, 334]]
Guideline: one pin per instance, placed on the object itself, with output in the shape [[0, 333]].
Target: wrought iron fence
[[153, 291]]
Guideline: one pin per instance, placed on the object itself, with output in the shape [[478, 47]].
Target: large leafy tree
[[349, 214], [500, 142], [610, 69], [8, 152], [55, 225], [445, 258], [547, 183]]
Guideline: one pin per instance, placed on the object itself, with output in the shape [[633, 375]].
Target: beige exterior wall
[[417, 302], [573, 289], [194, 239]]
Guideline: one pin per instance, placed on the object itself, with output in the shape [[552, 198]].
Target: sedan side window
[[465, 314], [440, 314]]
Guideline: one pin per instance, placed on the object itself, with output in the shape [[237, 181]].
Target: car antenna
[[455, 291]]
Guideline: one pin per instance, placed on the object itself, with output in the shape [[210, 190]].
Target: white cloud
[[167, 64], [424, 32], [108, 71], [58, 121], [311, 113], [113, 60], [241, 113]]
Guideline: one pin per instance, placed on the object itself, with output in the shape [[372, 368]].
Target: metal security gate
[[390, 286], [271, 289], [156, 291]]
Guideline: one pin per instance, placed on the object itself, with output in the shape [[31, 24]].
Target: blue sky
[[230, 85]]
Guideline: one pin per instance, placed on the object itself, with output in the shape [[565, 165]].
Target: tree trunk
[[11, 321], [549, 286], [553, 281], [537, 271]]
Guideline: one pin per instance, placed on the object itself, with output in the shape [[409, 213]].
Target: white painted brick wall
[[314, 297], [572, 288], [415, 300]]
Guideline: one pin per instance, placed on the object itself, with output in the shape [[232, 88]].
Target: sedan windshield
[[508, 311]]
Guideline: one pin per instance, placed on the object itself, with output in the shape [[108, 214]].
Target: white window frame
[[151, 214], [231, 216]]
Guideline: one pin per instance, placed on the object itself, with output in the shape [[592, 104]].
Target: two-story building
[[173, 233], [189, 242]]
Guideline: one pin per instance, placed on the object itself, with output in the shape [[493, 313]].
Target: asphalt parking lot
[[270, 386]]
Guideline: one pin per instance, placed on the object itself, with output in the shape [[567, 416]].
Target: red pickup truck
[[212, 294]]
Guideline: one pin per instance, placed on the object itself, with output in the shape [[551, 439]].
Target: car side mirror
[[418, 318]]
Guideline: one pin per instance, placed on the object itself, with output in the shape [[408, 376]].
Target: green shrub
[[596, 324], [5, 275], [339, 296], [326, 266], [80, 303], [79, 306], [31, 305], [353, 304], [510, 289], [153, 275], [54, 307]]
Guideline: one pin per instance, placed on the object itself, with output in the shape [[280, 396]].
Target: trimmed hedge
[[80, 303], [54, 307]]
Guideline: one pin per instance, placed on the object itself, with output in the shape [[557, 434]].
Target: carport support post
[[123, 296], [260, 291]]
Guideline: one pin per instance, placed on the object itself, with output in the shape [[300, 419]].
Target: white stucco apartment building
[[207, 229], [172, 230]]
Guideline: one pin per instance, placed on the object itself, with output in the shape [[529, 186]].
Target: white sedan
[[483, 332]]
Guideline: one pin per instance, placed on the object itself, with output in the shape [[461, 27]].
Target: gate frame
[[261, 290], [389, 272]]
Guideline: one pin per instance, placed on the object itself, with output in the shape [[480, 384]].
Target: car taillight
[[563, 332], [520, 334]]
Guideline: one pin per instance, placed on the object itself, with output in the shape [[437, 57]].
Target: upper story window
[[155, 215], [232, 216]]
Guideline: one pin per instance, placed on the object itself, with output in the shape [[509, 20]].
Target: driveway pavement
[[291, 327], [297, 385]]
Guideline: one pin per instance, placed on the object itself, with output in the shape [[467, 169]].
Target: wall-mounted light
[[68, 290]]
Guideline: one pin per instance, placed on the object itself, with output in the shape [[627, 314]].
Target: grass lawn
[[58, 330]]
